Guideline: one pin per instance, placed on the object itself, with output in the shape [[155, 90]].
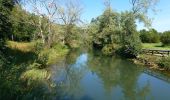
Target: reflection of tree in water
[[129, 74], [116, 72], [68, 80], [106, 69]]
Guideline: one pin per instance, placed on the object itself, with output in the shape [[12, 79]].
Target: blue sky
[[161, 20]]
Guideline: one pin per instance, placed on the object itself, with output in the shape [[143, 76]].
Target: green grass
[[35, 75], [157, 46], [55, 53]]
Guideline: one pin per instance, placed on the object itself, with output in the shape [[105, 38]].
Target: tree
[[5, 24], [106, 28], [151, 36], [69, 15], [130, 41], [22, 29], [140, 9], [46, 12], [165, 38]]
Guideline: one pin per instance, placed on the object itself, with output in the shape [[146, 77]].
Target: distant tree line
[[152, 36]]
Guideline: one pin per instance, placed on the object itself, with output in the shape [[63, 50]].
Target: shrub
[[131, 46], [38, 46], [165, 38], [109, 49], [164, 63], [43, 59]]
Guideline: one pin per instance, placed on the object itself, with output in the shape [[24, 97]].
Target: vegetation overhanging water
[[48, 52]]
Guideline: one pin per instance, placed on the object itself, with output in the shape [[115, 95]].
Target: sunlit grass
[[35, 75], [55, 54], [21, 46], [157, 46]]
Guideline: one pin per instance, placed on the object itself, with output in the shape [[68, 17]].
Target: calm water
[[86, 76], [91, 76]]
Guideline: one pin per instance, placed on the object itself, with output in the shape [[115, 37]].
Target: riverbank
[[24, 66], [154, 62], [160, 62], [51, 55]]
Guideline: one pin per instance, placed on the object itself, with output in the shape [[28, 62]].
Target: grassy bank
[[157, 46], [35, 69], [21, 46], [50, 54], [154, 61], [54, 54]]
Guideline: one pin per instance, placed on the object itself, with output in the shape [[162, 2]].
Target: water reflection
[[91, 76], [95, 77], [67, 76]]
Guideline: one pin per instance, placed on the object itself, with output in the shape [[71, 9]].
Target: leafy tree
[[5, 23], [112, 31], [151, 36], [69, 15], [131, 44], [165, 38], [23, 30], [107, 28]]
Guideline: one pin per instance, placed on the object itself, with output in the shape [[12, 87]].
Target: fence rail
[[160, 52]]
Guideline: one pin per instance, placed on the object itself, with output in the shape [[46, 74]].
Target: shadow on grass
[[18, 57], [14, 63], [159, 46]]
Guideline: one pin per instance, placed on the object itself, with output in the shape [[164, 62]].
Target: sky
[[161, 19]]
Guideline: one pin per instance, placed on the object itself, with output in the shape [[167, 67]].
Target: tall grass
[[35, 75], [165, 63], [22, 46]]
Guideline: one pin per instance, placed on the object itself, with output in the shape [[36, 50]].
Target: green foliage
[[38, 46], [113, 28], [47, 56], [151, 36], [164, 63], [5, 22], [42, 59], [132, 46], [165, 38], [23, 29], [130, 41], [104, 29], [110, 49]]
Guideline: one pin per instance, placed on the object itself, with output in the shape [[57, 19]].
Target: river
[[92, 76]]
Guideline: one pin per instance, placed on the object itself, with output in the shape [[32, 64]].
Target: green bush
[[43, 59], [109, 49], [38, 47], [150, 36], [132, 46], [164, 63], [165, 38]]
